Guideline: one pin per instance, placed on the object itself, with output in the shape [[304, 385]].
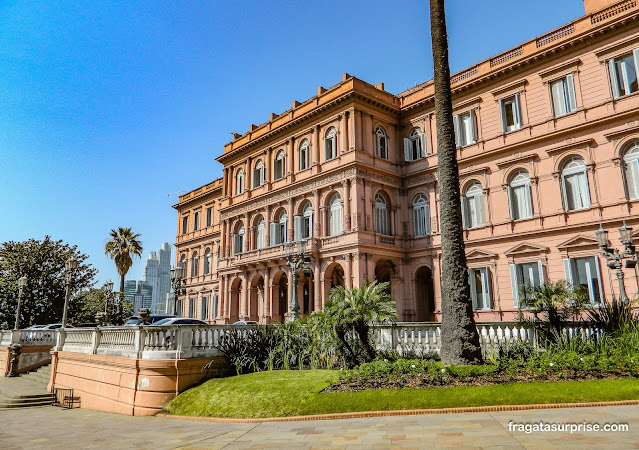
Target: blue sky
[[106, 107]]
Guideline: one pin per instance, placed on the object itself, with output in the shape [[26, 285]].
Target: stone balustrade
[[28, 338]]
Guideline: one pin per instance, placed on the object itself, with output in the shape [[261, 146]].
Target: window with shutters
[[196, 221], [575, 184], [192, 308], [421, 216], [261, 228], [278, 229], [585, 272], [307, 222], [209, 216], [330, 144], [238, 245], [564, 100], [473, 206], [258, 174], [239, 182], [510, 113], [519, 196], [214, 303], [381, 140], [303, 155], [335, 216], [465, 128], [523, 276], [381, 215], [204, 308], [278, 166], [480, 288], [206, 263], [185, 224], [624, 71], [415, 145], [631, 170], [195, 265]]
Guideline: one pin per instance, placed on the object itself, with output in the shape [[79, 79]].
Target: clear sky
[[108, 106]]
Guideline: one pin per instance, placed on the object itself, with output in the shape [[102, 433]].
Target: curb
[[406, 412]]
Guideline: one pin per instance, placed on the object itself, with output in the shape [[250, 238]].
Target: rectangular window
[[214, 307], [510, 114], [480, 291], [624, 72], [209, 216], [525, 275], [585, 272], [465, 128], [260, 236], [185, 224], [564, 100], [196, 221], [192, 308], [204, 308], [576, 192]]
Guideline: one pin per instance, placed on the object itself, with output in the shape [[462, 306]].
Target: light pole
[[70, 265], [177, 282], [615, 258], [296, 260], [22, 282], [108, 294]]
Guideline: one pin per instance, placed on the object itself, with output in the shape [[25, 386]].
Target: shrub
[[613, 316]]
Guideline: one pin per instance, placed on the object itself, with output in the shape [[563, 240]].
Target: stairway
[[29, 389]]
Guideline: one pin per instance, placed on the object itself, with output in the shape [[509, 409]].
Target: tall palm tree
[[123, 244], [355, 309], [460, 340]]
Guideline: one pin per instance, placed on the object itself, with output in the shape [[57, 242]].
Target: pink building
[[548, 136]]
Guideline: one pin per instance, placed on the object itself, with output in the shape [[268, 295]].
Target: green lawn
[[297, 392]]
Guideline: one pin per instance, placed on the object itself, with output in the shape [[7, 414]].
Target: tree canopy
[[43, 263]]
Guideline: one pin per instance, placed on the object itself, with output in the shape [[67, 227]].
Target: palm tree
[[460, 340], [355, 309], [123, 244]]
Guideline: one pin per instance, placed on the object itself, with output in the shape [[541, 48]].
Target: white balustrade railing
[[28, 338]]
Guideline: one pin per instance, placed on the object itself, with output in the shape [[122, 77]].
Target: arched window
[[303, 155], [330, 144], [421, 216], [382, 143], [259, 241], [195, 269], [631, 170], [335, 216], [575, 184], [519, 196], [415, 145], [473, 206], [278, 229], [238, 245], [207, 262], [239, 182], [381, 215], [307, 221], [278, 167], [258, 174]]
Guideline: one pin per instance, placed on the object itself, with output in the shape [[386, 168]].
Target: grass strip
[[298, 392]]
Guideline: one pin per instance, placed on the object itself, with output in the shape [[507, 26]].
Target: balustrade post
[[95, 340], [138, 343]]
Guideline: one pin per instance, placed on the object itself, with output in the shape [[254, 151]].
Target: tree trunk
[[460, 340], [362, 330], [122, 284]]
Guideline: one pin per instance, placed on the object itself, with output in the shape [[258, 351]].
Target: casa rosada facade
[[548, 149]]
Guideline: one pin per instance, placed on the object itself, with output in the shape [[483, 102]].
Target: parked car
[[35, 327], [179, 321], [135, 320], [54, 326], [246, 322]]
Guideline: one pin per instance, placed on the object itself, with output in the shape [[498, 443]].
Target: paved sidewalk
[[50, 427]]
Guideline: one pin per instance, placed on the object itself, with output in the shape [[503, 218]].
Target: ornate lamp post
[[22, 282], [177, 281], [615, 258], [70, 266], [108, 295], [296, 260]]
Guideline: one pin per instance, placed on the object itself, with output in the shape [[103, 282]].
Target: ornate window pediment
[[477, 254], [526, 249], [579, 245]]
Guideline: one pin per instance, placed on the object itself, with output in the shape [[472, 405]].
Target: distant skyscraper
[[140, 293], [156, 274]]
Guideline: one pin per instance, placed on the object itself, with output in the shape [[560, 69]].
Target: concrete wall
[[30, 358]]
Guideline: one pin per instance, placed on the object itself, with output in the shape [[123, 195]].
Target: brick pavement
[[50, 427]]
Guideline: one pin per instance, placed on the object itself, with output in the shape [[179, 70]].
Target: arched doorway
[[256, 297], [424, 295], [279, 297], [236, 295], [305, 291], [383, 272], [333, 277]]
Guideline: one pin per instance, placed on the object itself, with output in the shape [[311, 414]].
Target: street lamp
[[108, 294], [615, 258], [71, 265], [22, 282], [177, 281], [296, 260]]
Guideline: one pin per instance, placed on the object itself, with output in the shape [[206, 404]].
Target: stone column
[[249, 176], [316, 150], [347, 271], [222, 300], [324, 224], [267, 226], [244, 299], [289, 289], [247, 232], [226, 295], [291, 158], [290, 221], [346, 185], [346, 131], [317, 294], [370, 267], [268, 166], [225, 176], [316, 214], [224, 243]]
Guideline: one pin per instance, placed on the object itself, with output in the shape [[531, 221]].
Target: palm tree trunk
[[460, 341], [362, 331], [122, 284]]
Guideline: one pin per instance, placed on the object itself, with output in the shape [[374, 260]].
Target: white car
[[178, 321], [246, 322]]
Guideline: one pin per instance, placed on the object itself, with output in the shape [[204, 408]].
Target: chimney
[[380, 86], [320, 90], [592, 6], [345, 76], [296, 104], [273, 116]]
